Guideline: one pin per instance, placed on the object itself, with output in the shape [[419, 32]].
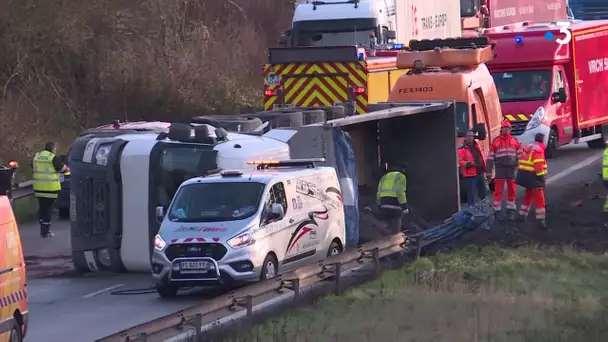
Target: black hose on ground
[[135, 291]]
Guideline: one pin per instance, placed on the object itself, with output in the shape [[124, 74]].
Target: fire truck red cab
[[552, 78]]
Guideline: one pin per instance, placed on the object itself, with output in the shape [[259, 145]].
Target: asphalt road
[[82, 309]]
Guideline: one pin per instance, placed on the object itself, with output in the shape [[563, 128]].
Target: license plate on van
[[200, 265]]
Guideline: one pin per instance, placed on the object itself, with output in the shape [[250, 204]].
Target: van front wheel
[[334, 249], [16, 334], [270, 268]]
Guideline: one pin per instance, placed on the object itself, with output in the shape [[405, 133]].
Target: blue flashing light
[[397, 46], [361, 56], [519, 40]]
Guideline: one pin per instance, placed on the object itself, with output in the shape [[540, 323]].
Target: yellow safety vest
[[46, 178], [605, 165], [393, 184]]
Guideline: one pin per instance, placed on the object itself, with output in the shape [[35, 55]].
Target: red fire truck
[[553, 78]]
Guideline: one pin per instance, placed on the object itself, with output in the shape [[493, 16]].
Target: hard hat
[[505, 124]]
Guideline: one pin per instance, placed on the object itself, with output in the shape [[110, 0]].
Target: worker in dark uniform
[[46, 168], [391, 197]]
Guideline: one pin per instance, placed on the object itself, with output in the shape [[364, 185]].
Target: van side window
[[474, 114], [462, 119], [276, 195], [559, 81]]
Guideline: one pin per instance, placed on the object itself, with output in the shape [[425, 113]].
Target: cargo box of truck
[[552, 78]]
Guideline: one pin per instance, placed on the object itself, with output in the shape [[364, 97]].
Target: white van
[[243, 226]]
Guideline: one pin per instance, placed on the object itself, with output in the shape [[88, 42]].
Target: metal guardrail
[[195, 317], [22, 190]]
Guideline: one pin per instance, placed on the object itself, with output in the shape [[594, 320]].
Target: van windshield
[[529, 85], [334, 32], [213, 202]]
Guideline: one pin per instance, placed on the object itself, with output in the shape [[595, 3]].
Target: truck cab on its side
[[119, 177]]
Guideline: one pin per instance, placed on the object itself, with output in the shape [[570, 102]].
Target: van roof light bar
[[265, 164]]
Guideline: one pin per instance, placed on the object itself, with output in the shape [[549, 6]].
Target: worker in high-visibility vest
[[46, 168], [391, 197], [531, 175], [605, 176]]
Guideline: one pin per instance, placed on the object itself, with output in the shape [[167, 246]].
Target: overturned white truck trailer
[[119, 179]]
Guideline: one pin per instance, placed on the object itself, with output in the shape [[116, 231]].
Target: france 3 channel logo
[[563, 28]]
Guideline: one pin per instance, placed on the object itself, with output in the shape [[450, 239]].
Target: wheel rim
[[270, 270], [334, 251]]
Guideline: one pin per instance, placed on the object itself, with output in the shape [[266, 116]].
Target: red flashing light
[[269, 92], [360, 90], [13, 164]]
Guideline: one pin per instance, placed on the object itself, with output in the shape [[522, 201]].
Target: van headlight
[[159, 243], [537, 119], [242, 240]]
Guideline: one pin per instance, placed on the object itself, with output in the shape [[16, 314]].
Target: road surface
[[81, 308]]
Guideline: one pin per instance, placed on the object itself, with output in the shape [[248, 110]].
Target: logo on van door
[[308, 226]]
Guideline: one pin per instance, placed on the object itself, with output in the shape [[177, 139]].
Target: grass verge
[[474, 294]]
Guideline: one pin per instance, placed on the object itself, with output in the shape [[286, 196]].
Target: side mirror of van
[[160, 213], [560, 96], [480, 129], [277, 211]]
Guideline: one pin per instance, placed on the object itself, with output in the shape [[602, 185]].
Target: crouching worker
[[391, 197]]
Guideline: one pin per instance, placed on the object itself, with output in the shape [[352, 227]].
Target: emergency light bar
[[231, 173], [265, 164]]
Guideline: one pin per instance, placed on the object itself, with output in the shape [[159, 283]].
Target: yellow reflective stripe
[[538, 161], [526, 168]]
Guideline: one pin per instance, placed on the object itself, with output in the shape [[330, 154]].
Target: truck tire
[[334, 112], [313, 116], [278, 119], [80, 262], [310, 115], [552, 144], [233, 123]]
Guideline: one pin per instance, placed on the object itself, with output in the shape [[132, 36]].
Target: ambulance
[[287, 214], [13, 284]]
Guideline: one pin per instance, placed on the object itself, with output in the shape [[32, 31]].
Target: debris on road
[[574, 223]]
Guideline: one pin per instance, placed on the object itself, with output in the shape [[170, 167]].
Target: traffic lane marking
[[568, 156], [586, 162], [102, 291]]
